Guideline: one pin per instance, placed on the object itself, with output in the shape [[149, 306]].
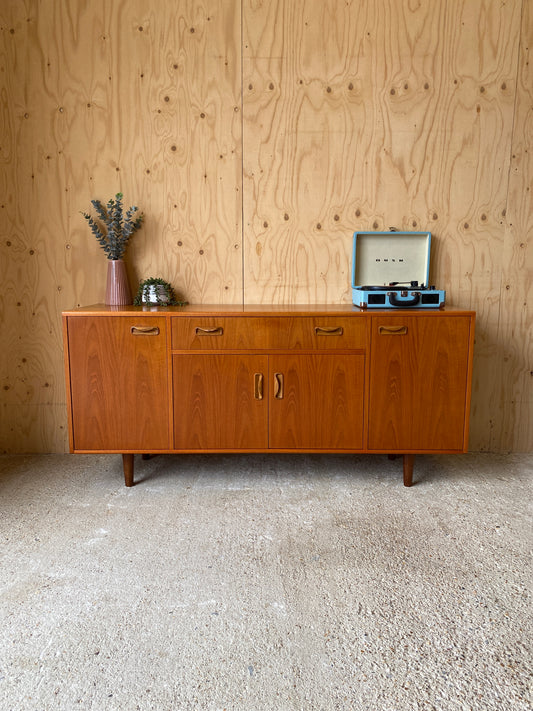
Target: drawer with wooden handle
[[273, 333], [324, 333], [212, 333]]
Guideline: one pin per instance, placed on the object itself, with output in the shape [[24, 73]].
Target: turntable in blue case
[[391, 270]]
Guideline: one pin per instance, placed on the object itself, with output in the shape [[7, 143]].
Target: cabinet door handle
[[218, 331], [392, 330], [329, 331], [258, 386], [278, 386], [144, 330]]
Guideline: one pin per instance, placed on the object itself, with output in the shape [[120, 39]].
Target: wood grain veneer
[[418, 382], [118, 383]]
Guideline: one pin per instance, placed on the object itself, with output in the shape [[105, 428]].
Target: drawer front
[[275, 333], [213, 333], [322, 333]]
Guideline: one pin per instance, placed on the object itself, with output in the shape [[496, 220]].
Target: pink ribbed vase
[[117, 292]]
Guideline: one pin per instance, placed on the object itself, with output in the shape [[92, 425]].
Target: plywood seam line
[[242, 159]]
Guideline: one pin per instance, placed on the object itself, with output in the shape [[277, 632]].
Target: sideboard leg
[[408, 463], [127, 464]]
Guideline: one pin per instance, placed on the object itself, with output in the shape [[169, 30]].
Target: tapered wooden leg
[[408, 463], [127, 464]]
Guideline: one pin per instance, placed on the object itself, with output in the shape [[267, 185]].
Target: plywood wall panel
[[303, 117]]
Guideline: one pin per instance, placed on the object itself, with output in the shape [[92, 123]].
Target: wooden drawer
[[210, 333], [275, 333], [321, 333]]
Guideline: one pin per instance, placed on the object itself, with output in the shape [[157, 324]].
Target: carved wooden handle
[[392, 330], [144, 330], [278, 386], [325, 331], [258, 386], [218, 331]]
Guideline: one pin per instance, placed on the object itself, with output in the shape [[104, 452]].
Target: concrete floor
[[265, 582]]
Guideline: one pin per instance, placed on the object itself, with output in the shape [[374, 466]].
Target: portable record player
[[391, 270]]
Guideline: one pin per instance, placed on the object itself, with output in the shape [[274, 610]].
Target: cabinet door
[[317, 401], [418, 382], [118, 382], [220, 401]]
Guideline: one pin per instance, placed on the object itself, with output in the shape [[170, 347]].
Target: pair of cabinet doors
[[236, 401]]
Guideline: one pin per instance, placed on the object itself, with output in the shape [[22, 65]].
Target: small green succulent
[[146, 296], [115, 228]]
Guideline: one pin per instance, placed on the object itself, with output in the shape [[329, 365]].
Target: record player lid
[[380, 258]]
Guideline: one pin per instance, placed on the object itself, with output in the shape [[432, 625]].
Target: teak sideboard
[[268, 379]]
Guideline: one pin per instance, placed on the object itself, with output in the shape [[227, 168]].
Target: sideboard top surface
[[257, 310]]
